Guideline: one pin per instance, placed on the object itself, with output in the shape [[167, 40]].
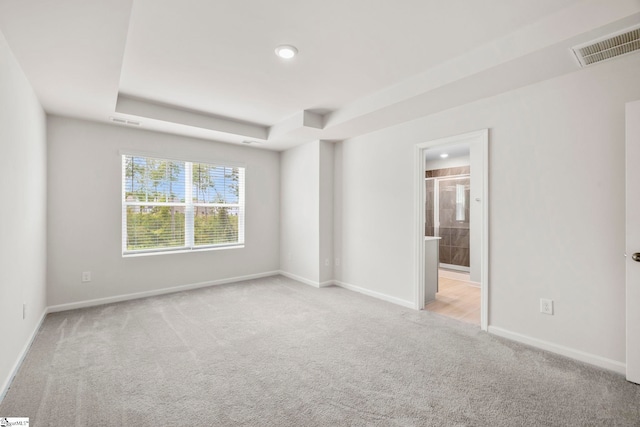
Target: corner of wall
[[23, 180]]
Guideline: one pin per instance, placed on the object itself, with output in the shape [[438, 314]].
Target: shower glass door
[[447, 214]]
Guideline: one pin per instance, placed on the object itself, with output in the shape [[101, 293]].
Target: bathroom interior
[[448, 224]]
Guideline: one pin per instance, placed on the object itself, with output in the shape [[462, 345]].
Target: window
[[170, 205]]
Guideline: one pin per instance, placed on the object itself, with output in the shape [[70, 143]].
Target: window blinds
[[171, 205]]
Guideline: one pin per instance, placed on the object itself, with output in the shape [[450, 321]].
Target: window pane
[[215, 184], [159, 211], [154, 180], [155, 227], [215, 225]]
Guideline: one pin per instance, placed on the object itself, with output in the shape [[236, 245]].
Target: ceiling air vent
[[124, 121], [608, 47]]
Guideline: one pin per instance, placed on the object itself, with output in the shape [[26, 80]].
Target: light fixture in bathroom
[[286, 51], [444, 155]]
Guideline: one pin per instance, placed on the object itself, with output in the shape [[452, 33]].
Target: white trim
[[450, 274], [241, 202], [304, 280], [464, 268], [374, 294], [23, 353], [481, 136], [572, 353], [145, 294], [350, 287], [420, 198], [436, 212], [484, 239], [181, 250], [465, 175], [326, 283]]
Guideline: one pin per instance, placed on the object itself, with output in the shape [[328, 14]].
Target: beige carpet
[[274, 352]]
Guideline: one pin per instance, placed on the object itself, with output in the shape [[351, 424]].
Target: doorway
[[452, 226]]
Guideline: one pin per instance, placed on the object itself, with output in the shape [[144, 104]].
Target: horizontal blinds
[[153, 180], [170, 204]]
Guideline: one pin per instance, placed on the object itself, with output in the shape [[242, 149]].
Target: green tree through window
[[176, 205]]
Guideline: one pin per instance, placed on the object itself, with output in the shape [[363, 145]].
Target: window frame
[[189, 206]]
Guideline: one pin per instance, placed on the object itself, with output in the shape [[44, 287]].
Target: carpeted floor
[[273, 352]]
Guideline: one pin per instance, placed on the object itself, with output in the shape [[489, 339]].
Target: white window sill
[[179, 251]]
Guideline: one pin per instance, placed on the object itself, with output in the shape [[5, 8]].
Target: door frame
[[480, 137], [632, 233]]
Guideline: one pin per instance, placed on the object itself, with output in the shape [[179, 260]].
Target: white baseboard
[[305, 280], [375, 294], [350, 287], [21, 356], [572, 353], [137, 295], [457, 275], [326, 283]]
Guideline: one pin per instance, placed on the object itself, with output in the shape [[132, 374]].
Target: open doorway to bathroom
[[454, 227], [448, 217]]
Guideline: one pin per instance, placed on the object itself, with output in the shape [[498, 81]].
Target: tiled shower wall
[[454, 229]]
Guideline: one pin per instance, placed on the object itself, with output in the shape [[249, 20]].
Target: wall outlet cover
[[546, 306]]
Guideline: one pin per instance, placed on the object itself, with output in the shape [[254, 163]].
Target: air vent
[[608, 47], [124, 121]]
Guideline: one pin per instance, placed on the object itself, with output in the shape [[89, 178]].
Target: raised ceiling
[[207, 68]]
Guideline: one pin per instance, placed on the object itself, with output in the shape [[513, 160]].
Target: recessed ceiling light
[[444, 155], [286, 51]]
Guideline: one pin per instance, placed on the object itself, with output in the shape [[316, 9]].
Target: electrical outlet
[[86, 276], [337, 262], [327, 262], [546, 306]]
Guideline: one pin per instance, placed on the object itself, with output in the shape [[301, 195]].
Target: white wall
[[326, 260], [306, 206], [556, 156], [338, 206], [300, 212], [23, 172], [85, 213]]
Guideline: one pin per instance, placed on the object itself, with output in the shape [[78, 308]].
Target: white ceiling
[[454, 151], [207, 68]]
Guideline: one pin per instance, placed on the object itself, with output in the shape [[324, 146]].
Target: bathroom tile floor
[[457, 299]]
